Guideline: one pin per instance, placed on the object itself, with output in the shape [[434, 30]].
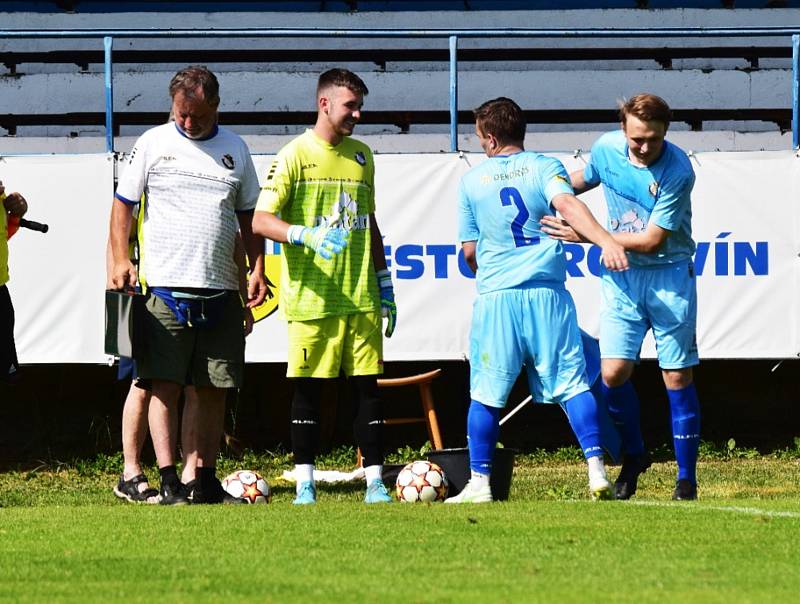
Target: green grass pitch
[[64, 538]]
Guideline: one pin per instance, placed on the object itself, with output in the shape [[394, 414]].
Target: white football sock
[[479, 480], [372, 473], [597, 468], [303, 473]]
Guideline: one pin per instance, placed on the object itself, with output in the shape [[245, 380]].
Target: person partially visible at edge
[[199, 186], [647, 182], [319, 201], [14, 208], [523, 315]]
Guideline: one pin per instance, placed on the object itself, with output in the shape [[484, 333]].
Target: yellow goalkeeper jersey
[[313, 183]]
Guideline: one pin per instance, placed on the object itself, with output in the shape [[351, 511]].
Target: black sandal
[[129, 490]]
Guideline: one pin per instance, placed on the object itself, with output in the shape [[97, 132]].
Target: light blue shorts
[[663, 299], [535, 327]]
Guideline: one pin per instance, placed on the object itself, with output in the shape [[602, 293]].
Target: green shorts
[[203, 357], [320, 348]]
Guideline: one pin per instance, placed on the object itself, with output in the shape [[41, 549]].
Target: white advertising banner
[[746, 221], [58, 278]]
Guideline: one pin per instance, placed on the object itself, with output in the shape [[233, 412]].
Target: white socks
[[597, 469], [303, 473], [373, 473], [479, 480]]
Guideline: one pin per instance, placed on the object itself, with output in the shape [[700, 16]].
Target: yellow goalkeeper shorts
[[320, 348]]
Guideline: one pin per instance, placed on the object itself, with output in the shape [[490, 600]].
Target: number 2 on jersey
[[509, 195]]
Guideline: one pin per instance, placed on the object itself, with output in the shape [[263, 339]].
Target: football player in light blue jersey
[[647, 183], [523, 314]]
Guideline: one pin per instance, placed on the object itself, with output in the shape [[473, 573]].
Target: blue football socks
[[623, 407], [482, 429], [582, 412], [685, 410]]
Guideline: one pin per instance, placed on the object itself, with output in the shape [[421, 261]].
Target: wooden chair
[[423, 382]]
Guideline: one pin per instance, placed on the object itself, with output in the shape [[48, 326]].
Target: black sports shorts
[[9, 365]]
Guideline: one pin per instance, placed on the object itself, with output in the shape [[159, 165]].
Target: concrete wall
[[699, 83], [723, 140], [407, 90]]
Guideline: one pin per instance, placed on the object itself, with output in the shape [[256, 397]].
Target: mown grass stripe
[[722, 508]]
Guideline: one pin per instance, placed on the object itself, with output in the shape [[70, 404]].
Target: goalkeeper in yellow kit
[[319, 198]]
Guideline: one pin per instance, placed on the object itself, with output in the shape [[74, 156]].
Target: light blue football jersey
[[501, 202], [636, 195]]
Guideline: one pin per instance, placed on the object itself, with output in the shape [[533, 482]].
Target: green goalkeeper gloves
[[327, 242], [388, 307]]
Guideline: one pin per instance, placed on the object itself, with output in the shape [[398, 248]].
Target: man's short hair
[[341, 77], [503, 119], [189, 79], [646, 107]]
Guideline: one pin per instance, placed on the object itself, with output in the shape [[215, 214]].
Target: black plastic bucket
[[455, 463], [390, 472]]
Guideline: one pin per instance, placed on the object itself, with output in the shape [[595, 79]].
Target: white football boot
[[599, 486], [472, 493]]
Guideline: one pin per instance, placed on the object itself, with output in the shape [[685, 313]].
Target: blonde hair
[[646, 107]]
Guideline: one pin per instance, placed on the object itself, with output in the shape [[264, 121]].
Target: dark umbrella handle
[[33, 225]]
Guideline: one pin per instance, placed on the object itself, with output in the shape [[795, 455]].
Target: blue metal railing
[[452, 35], [453, 93], [795, 92], [108, 43]]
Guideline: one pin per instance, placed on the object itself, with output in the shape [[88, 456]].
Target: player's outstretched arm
[[558, 228], [325, 241], [561, 229], [645, 242], [580, 218], [579, 184], [270, 226]]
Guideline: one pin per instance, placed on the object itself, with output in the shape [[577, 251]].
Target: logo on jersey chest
[[653, 188], [629, 222], [227, 161], [361, 158]]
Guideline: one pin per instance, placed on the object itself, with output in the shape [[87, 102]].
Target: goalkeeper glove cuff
[[295, 234], [327, 242], [388, 306]]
